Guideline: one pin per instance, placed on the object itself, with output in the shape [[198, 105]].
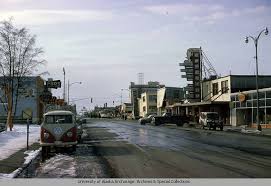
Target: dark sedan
[[145, 120]]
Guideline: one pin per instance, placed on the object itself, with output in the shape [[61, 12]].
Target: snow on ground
[[59, 166], [13, 141]]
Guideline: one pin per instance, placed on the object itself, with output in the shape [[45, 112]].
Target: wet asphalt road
[[113, 148]]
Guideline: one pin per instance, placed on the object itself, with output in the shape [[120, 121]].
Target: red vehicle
[[59, 129]]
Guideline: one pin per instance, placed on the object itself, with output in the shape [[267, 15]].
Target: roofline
[[65, 112], [199, 103], [252, 91], [237, 75]]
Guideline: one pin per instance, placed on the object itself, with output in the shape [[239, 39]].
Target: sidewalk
[[248, 130], [13, 154]]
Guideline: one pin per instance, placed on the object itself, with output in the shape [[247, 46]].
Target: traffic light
[[113, 102], [91, 100]]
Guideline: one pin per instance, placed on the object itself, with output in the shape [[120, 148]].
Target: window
[[144, 109], [175, 94], [224, 86], [196, 54], [54, 119], [153, 98], [143, 98], [215, 88]]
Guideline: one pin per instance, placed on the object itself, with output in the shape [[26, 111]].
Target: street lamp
[[64, 73], [69, 85], [255, 39]]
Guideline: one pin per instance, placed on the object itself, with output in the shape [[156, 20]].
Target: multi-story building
[[136, 91], [29, 104], [216, 96], [148, 103], [168, 96]]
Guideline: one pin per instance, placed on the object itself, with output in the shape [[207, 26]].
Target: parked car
[[210, 120], [147, 119], [59, 129], [167, 117]]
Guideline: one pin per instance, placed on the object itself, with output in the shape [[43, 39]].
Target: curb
[[18, 171]]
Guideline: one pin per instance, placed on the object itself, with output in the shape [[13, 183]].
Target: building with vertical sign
[[192, 69], [29, 104]]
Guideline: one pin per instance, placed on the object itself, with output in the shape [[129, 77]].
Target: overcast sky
[[105, 44]]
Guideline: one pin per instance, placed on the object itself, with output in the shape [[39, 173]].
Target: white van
[[210, 120]]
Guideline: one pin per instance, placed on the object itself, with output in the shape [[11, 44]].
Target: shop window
[[249, 103], [268, 102], [261, 95], [268, 94], [233, 98], [268, 115]]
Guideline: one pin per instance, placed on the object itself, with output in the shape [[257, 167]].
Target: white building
[[148, 103]]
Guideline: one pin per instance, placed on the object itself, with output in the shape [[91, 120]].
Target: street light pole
[[64, 84], [255, 39], [69, 85]]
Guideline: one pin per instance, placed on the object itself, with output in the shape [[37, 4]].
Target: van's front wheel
[[74, 148], [44, 153]]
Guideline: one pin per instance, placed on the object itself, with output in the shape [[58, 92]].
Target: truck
[[210, 120], [167, 117]]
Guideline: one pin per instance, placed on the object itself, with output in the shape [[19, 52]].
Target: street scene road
[[135, 89], [125, 149]]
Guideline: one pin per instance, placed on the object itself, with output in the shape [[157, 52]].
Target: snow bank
[[13, 141], [59, 166]]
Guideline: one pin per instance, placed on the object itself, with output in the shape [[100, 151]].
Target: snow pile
[[31, 155], [13, 141], [59, 166], [250, 131]]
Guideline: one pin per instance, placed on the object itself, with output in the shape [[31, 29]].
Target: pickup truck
[[169, 118]]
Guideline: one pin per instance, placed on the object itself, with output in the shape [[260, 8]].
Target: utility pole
[[64, 93]]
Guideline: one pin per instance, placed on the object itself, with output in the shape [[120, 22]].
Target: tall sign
[[192, 70]]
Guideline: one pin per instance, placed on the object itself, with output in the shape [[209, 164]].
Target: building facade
[[137, 89], [168, 96], [217, 97], [29, 104], [148, 103], [244, 108], [126, 110]]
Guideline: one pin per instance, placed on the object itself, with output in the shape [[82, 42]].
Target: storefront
[[244, 108]]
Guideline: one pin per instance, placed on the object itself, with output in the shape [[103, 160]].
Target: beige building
[[147, 103], [137, 89], [216, 89]]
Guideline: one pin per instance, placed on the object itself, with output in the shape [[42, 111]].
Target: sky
[[105, 44]]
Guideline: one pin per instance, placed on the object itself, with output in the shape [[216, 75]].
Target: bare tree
[[19, 57]]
